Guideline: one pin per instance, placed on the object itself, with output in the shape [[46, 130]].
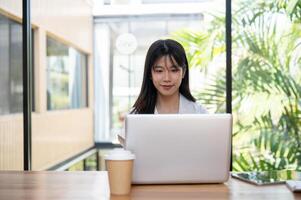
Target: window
[[11, 79], [126, 64], [66, 76], [266, 85]]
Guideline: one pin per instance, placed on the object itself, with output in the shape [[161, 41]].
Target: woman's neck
[[168, 104]]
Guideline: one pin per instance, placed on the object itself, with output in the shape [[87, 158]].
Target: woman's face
[[167, 76]]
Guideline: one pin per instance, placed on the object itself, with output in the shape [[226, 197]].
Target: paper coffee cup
[[119, 164]]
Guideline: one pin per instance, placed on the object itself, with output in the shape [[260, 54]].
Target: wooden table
[[47, 185]]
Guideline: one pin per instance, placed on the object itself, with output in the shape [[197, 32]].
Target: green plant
[[266, 81]]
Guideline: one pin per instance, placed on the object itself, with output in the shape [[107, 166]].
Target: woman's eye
[[175, 70], [158, 71]]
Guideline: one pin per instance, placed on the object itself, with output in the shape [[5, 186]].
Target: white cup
[[119, 163]]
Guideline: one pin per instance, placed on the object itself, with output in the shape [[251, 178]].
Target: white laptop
[[179, 148]]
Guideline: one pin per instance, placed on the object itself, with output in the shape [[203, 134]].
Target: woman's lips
[[167, 87]]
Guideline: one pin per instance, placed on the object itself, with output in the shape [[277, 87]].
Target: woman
[[165, 86]]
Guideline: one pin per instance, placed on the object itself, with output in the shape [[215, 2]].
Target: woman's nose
[[166, 76]]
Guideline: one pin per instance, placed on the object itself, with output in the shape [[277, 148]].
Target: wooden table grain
[[50, 185]]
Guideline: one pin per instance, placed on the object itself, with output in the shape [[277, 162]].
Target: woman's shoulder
[[199, 108], [190, 107]]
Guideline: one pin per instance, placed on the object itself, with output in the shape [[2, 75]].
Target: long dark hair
[[146, 101]]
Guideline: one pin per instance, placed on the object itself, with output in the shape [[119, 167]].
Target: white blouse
[[188, 107]]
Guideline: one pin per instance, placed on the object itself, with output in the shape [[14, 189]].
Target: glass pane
[[4, 65], [11, 98], [266, 85], [16, 80], [11, 94], [66, 76], [203, 42], [11, 80]]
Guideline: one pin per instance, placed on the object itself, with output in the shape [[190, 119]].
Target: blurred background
[[88, 59]]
